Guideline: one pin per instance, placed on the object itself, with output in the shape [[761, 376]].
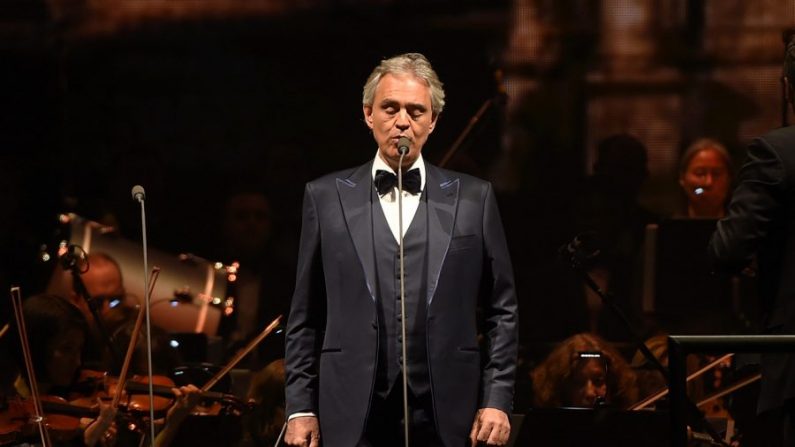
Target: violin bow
[[239, 356], [16, 300], [120, 385], [220, 374], [729, 389], [660, 394]]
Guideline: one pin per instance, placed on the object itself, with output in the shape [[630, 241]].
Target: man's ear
[[368, 115]]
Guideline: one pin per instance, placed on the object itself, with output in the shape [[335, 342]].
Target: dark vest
[[387, 263]]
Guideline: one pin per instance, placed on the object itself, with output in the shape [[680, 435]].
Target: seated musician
[[57, 332], [705, 175], [103, 281], [102, 277], [264, 424], [120, 323], [584, 371]]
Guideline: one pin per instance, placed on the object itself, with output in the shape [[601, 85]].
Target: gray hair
[[409, 63]]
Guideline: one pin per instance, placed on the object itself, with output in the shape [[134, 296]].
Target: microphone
[[138, 193], [71, 259], [583, 249], [403, 146]]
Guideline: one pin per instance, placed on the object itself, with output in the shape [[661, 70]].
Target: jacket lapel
[[442, 207], [355, 197]]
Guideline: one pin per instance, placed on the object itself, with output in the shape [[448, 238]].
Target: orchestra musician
[[584, 371], [57, 333], [705, 176]]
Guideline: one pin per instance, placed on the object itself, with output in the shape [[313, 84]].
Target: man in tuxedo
[[761, 224], [343, 342]]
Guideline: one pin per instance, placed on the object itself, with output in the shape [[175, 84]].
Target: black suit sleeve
[[500, 313], [756, 202], [305, 324]]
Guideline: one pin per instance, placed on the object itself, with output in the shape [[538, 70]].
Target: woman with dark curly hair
[[583, 371]]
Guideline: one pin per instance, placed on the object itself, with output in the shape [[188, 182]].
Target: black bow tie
[[384, 181]]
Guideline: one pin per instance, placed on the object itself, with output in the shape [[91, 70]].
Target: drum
[[191, 292]]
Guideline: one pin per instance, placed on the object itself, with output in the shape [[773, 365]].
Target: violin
[[17, 414], [10, 425], [203, 429], [135, 395], [132, 398], [18, 419]]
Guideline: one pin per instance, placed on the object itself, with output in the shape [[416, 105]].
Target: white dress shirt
[[389, 201]]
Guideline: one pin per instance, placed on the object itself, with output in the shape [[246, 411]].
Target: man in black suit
[[343, 348], [761, 223]]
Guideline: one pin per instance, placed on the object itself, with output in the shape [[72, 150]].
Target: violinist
[[120, 321], [187, 398], [57, 333], [263, 425]]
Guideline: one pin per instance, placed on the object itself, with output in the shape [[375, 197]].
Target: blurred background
[[202, 102]]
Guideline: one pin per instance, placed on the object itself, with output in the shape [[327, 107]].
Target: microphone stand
[[403, 149], [71, 264], [578, 260], [139, 195]]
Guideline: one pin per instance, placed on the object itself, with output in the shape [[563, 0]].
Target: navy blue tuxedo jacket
[[332, 331]]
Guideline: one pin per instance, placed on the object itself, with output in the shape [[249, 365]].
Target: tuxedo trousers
[[385, 421]]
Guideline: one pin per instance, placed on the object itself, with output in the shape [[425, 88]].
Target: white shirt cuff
[[301, 414]]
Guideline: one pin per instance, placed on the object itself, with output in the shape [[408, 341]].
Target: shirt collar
[[380, 164]]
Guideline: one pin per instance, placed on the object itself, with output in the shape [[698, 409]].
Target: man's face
[[103, 282], [401, 108]]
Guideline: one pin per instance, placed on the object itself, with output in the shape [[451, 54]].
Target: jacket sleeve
[[306, 320], [754, 206], [500, 312]]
